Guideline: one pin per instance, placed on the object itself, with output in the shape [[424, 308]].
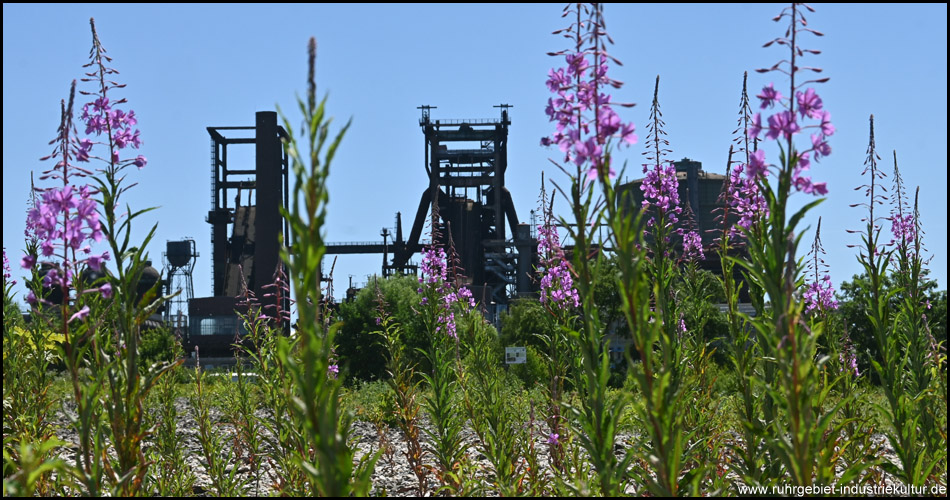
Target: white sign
[[516, 355]]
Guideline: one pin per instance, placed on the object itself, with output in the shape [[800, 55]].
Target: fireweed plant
[[218, 456], [29, 439], [875, 259], [328, 459], [660, 342], [480, 385], [264, 325], [240, 408], [740, 204], [798, 419], [843, 365], [694, 294], [78, 340], [128, 383], [285, 440], [586, 129], [819, 293], [492, 417], [820, 305], [100, 320], [29, 350], [405, 386], [484, 397], [442, 300], [169, 474], [745, 204], [897, 333], [560, 300], [912, 322]]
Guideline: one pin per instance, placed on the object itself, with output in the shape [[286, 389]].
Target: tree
[[360, 349], [523, 322], [854, 315]]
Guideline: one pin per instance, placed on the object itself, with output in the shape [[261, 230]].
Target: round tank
[[150, 276], [179, 253]]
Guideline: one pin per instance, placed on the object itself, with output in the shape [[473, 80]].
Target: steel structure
[[179, 257], [254, 226], [465, 200], [250, 256]]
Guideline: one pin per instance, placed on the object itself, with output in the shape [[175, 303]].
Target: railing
[[457, 121], [369, 243]]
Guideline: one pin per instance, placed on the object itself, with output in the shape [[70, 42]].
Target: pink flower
[[693, 246], [627, 135], [746, 199], [85, 145], [557, 80], [95, 261], [809, 103], [140, 161], [576, 64], [756, 128], [805, 185], [580, 108], [803, 163], [820, 146], [782, 123], [6, 269], [557, 285], [826, 127], [769, 95], [903, 229], [101, 104], [586, 151], [821, 295], [28, 261], [80, 315], [757, 166], [661, 190]]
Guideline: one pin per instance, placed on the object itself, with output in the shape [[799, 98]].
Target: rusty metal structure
[[468, 204], [246, 227]]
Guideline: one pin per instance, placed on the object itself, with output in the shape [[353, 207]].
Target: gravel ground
[[392, 474]]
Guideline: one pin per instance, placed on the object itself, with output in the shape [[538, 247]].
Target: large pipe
[[398, 228], [269, 195], [509, 207], [401, 258]]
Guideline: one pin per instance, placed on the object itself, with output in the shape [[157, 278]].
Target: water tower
[[180, 262]]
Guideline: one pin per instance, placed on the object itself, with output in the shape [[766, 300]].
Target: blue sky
[[192, 66]]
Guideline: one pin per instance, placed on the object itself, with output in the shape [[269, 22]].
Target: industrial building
[[698, 188], [466, 205]]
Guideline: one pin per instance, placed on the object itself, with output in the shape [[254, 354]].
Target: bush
[[532, 371], [158, 344], [372, 402]]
